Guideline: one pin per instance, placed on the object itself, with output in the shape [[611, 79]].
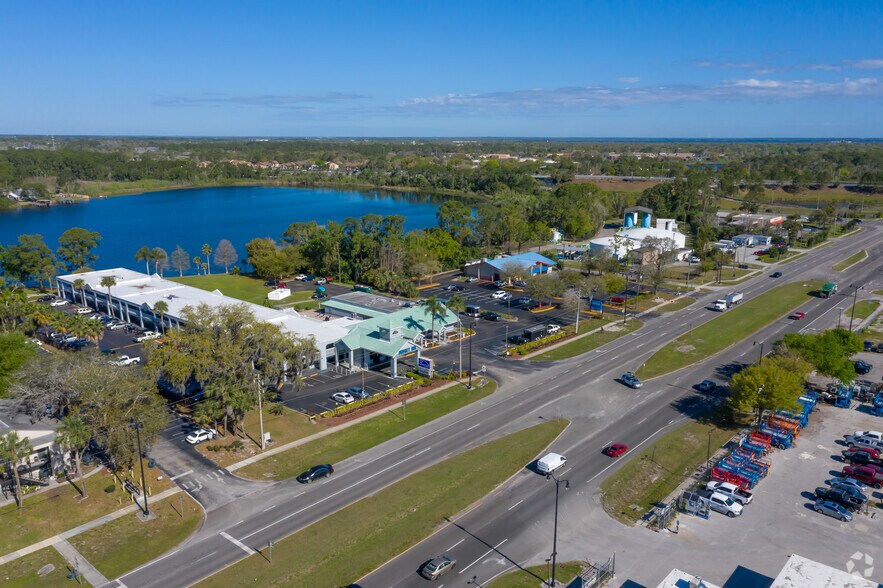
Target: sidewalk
[[328, 431], [80, 564], [51, 541]]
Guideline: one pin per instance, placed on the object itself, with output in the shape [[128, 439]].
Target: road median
[[730, 327], [355, 540]]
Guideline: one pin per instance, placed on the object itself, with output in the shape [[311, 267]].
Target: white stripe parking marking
[[484, 555], [237, 543]]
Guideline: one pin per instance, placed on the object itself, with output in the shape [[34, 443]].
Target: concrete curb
[[88, 526], [323, 433]]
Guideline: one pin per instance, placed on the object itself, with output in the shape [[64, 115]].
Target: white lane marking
[[642, 420], [586, 372], [516, 504], [187, 473], [606, 444], [237, 543], [204, 557], [456, 544], [330, 496], [270, 507], [633, 449], [484, 555], [236, 523], [473, 426]]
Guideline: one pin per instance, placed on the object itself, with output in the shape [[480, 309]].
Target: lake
[[190, 218]]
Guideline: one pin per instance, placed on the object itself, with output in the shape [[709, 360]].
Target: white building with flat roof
[[135, 294]]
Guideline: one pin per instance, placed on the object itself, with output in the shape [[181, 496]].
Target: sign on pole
[[425, 367]]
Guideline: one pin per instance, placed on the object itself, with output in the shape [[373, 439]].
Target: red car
[[280, 285], [797, 316], [865, 475], [617, 300], [616, 449]]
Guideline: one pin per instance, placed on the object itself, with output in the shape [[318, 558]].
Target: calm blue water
[[190, 218]]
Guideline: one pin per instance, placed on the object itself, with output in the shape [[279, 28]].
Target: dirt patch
[[685, 349]]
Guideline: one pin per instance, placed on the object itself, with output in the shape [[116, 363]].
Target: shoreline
[[357, 187]]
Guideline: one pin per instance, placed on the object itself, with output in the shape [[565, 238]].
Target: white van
[[550, 462]]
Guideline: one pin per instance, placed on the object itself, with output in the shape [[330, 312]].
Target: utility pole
[[474, 332], [579, 296], [137, 427], [558, 482], [855, 289], [760, 358]]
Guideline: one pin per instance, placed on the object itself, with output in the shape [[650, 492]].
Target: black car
[[46, 298], [491, 316], [878, 348], [869, 345], [850, 501], [862, 367], [458, 288], [858, 457], [776, 275], [315, 472], [517, 340]]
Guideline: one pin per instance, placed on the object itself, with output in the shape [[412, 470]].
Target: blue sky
[[557, 69]]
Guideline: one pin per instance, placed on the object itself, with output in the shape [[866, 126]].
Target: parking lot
[[781, 516]]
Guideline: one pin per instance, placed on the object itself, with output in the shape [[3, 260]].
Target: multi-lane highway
[[581, 389]]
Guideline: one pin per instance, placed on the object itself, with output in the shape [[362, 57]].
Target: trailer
[[827, 290], [733, 298]]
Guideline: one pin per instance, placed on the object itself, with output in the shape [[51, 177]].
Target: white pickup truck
[[126, 360], [730, 491]]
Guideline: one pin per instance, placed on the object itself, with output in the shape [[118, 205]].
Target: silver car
[[438, 567], [833, 509]]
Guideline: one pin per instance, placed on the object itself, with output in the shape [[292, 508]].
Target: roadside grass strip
[[535, 576], [60, 509], [343, 547], [731, 326], [611, 332], [126, 543], [24, 572], [336, 447], [850, 261], [862, 309], [661, 467], [679, 304], [243, 288]]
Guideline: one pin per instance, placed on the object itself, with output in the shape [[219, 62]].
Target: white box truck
[[550, 462], [733, 298]]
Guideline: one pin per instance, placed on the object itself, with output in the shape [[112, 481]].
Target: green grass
[[348, 544], [644, 482], [795, 257], [863, 309], [851, 260], [22, 572], [95, 188], [878, 292], [355, 439], [54, 511], [125, 543], [534, 576], [588, 342], [244, 288], [731, 326], [678, 274], [679, 304]]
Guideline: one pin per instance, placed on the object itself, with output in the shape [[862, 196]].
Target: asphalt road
[[581, 389]]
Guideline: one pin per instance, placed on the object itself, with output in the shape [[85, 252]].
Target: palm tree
[[197, 261], [434, 307], [207, 251], [144, 254], [457, 303], [160, 309], [14, 450], [74, 435], [109, 282], [80, 284]]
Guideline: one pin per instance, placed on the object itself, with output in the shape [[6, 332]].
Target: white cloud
[[265, 100], [867, 64], [581, 98], [824, 67], [629, 79]]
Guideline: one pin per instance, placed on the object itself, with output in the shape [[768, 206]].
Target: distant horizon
[[560, 139]]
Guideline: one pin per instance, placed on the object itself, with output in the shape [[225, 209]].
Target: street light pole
[[855, 290], [555, 532], [474, 324], [760, 358], [579, 295], [839, 317], [137, 427]]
